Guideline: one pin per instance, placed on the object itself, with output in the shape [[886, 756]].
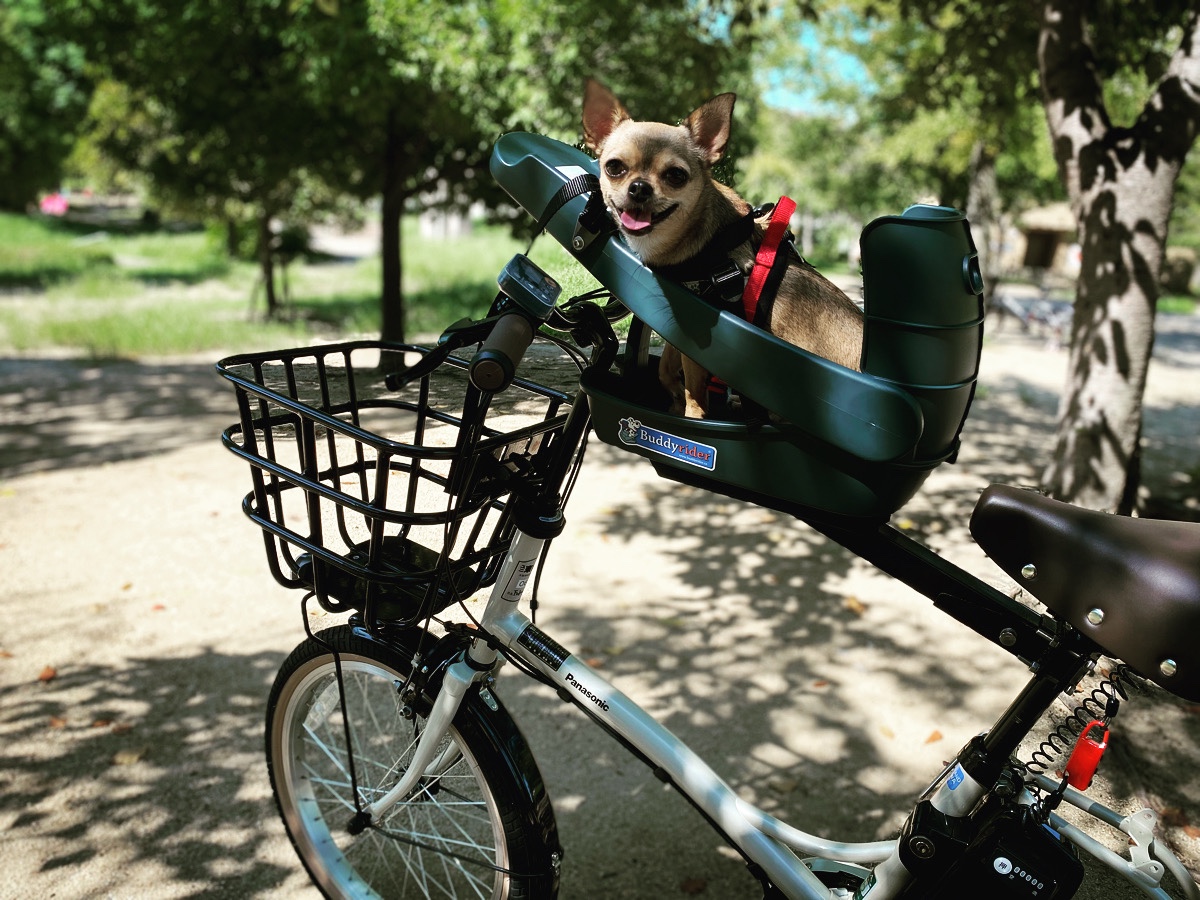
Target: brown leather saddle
[[1131, 585]]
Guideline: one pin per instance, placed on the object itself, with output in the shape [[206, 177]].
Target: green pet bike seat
[[854, 445]]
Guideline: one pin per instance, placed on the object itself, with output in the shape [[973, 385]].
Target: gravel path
[[142, 631]]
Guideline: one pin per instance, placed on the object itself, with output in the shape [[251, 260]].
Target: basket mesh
[[395, 502]]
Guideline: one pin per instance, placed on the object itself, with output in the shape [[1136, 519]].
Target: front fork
[[538, 521], [476, 664]]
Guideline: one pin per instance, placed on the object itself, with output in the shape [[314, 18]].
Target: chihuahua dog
[[657, 182]]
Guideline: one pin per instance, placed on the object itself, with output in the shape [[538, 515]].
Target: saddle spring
[[1101, 703]]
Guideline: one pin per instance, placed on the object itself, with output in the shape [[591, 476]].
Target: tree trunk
[[392, 296], [983, 211], [1120, 182], [808, 227], [266, 262], [232, 238]]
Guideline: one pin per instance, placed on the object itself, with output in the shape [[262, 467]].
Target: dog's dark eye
[[676, 177], [615, 168]]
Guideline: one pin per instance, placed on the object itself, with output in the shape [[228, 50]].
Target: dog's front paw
[[692, 408]]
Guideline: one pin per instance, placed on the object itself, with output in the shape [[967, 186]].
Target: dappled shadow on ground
[[820, 689], [1010, 434], [1176, 339], [154, 764], [61, 413]]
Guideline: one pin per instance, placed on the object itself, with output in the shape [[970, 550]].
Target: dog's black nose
[[640, 191]]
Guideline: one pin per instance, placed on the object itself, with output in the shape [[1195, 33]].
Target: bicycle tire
[[482, 827]]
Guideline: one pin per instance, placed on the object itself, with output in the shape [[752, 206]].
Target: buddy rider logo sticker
[[634, 433]]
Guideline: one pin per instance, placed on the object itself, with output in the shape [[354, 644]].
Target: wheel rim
[[442, 843]]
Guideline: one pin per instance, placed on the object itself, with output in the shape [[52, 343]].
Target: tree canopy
[[269, 109], [247, 109], [44, 93]]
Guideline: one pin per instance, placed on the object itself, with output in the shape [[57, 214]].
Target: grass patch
[[444, 281], [1178, 304], [140, 294], [36, 253], [43, 254], [161, 258], [161, 329]]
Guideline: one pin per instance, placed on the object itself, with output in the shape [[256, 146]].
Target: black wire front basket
[[395, 503]]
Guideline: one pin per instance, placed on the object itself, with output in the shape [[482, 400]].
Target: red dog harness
[[765, 261]]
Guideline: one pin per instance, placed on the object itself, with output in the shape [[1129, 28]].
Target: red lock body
[[1081, 767]]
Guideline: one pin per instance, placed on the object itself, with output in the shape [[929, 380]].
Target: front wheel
[[479, 825]]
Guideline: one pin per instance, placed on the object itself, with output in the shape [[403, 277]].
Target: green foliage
[[994, 46], [803, 156], [1134, 37], [273, 110], [662, 60], [395, 84], [917, 93], [43, 95], [932, 81], [1185, 214], [200, 99]]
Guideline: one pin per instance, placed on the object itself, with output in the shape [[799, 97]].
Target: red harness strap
[[764, 261], [765, 258]]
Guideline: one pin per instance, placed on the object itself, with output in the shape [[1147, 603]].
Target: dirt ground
[[142, 631]]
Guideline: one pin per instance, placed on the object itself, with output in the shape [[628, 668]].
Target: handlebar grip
[[495, 365]]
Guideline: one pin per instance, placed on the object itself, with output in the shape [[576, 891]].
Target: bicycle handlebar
[[495, 365]]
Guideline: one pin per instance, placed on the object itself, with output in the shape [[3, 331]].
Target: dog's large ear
[[710, 126], [602, 112]]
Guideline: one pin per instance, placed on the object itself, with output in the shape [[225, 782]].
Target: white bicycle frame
[[786, 854]]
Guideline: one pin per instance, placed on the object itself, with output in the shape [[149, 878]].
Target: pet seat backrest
[[923, 307]]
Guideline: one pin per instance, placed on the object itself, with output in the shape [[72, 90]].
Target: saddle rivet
[[1168, 667], [1029, 571], [1095, 616]]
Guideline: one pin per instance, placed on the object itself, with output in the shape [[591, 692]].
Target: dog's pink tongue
[[635, 222]]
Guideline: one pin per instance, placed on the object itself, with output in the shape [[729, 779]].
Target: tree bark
[[394, 195], [1120, 183], [266, 263], [232, 238]]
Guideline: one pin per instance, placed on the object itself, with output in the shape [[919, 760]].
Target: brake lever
[[459, 335]]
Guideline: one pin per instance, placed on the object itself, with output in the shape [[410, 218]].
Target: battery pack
[[1014, 856]]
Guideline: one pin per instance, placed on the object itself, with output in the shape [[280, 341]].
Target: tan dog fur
[[658, 186]]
